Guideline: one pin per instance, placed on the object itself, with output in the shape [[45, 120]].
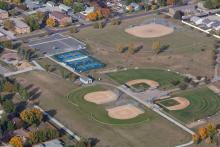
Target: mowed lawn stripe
[[203, 103], [163, 77], [98, 111]]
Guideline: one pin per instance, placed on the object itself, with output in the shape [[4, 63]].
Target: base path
[[101, 97], [183, 103], [124, 112]]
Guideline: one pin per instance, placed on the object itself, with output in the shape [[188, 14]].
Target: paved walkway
[[57, 123]]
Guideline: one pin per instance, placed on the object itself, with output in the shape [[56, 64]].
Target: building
[[3, 14], [21, 27], [196, 20], [65, 8], [51, 143], [60, 18], [86, 80], [186, 10], [207, 22], [33, 5], [50, 4], [216, 26], [88, 10], [134, 6]]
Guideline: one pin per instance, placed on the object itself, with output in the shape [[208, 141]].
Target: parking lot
[[55, 44]]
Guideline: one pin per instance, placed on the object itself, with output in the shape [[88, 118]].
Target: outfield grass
[[53, 100], [164, 78], [203, 103], [169, 102], [98, 112]]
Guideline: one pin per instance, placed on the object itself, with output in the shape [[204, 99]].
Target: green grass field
[[164, 78], [203, 103], [141, 86], [98, 112], [168, 102]]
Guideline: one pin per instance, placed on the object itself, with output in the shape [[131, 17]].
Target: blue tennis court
[[79, 61]]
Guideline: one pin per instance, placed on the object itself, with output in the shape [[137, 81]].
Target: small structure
[[207, 22], [186, 10], [86, 80], [196, 20], [20, 26], [3, 14], [88, 10], [134, 6], [50, 4], [65, 8], [60, 17], [32, 5], [216, 26], [51, 143]]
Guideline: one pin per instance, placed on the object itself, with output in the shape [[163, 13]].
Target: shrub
[[183, 86], [187, 79], [175, 82]]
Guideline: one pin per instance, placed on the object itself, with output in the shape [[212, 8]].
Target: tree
[[7, 87], [73, 30], [31, 116], [178, 15], [32, 22], [17, 2], [68, 2], [156, 47], [171, 2], [195, 138], [93, 16], [40, 16], [106, 12], [120, 48], [78, 7], [4, 5], [8, 24], [131, 48], [51, 22], [202, 133], [16, 141], [8, 106], [211, 129]]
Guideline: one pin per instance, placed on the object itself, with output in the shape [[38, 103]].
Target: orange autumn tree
[[195, 138], [92, 16], [51, 22], [7, 87], [106, 12], [37, 113], [16, 141], [171, 2], [31, 116], [203, 132]]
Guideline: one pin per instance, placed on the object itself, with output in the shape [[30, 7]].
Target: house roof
[[195, 18], [2, 11], [216, 24], [20, 24], [58, 15], [64, 7], [52, 143], [206, 21]]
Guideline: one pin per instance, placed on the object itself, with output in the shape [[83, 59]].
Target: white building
[[86, 80], [50, 4], [64, 8], [196, 20]]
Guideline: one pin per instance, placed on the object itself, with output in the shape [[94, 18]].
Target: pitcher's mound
[[124, 112], [150, 30], [101, 97]]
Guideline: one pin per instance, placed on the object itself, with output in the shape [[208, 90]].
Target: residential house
[[65, 8], [216, 26], [61, 18], [50, 4], [186, 10], [134, 6], [3, 14], [88, 10], [196, 20], [20, 26], [207, 22], [32, 5], [51, 143]]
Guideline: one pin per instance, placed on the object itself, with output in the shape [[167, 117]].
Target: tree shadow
[[164, 48]]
